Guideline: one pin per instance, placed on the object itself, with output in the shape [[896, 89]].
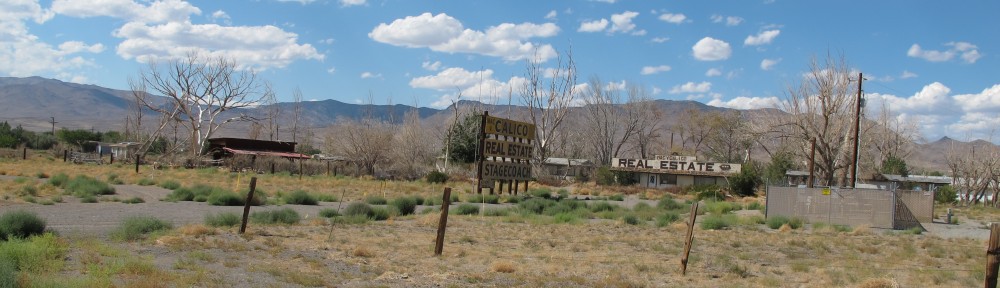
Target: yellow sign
[[506, 127], [826, 191]]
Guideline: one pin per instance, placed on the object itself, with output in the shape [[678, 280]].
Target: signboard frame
[[516, 145]]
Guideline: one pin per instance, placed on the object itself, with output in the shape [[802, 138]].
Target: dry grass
[[196, 230], [363, 252], [502, 267]]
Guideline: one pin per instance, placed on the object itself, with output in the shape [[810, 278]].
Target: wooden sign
[[506, 149], [506, 127], [506, 171]]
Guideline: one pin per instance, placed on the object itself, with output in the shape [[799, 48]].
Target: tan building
[[676, 171]]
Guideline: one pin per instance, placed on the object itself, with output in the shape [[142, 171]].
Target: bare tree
[[414, 149], [610, 121], [887, 137], [821, 107], [548, 95], [367, 142], [729, 139], [272, 114], [296, 113], [201, 89], [648, 123]]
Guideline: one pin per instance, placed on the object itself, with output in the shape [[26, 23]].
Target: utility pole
[[53, 126], [857, 125]]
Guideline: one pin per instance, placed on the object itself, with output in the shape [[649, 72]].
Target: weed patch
[[20, 224], [82, 186], [137, 228], [281, 216], [300, 197], [224, 219]]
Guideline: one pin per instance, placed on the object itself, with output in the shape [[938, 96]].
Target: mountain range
[[34, 102]]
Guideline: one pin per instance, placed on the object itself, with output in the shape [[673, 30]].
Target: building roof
[[918, 179], [796, 173], [267, 153]]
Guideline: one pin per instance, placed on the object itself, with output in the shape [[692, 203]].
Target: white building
[[676, 171]]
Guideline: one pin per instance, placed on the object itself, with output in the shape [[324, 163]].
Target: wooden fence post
[[24, 154], [300, 168], [65, 155], [112, 158], [443, 222], [993, 256], [246, 207], [688, 241], [137, 164]]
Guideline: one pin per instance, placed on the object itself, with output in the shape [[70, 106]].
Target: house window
[[702, 180], [668, 179]]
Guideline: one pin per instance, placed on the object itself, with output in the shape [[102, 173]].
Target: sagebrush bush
[[437, 177], [20, 224], [496, 212], [617, 197], [602, 206], [8, 273], [631, 219], [224, 219], [280, 216], [225, 199], [467, 209], [721, 207], [775, 222], [565, 218], [299, 197], [37, 255], [404, 205], [541, 193], [133, 200], [137, 227], [358, 209], [146, 182], [666, 218], [327, 198], [376, 200], [668, 204], [535, 205], [481, 198], [716, 222], [328, 212], [170, 184], [512, 199], [59, 180], [83, 185]]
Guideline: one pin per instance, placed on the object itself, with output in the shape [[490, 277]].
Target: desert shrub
[[617, 197], [775, 222], [512, 199], [113, 179], [20, 224], [170, 184], [437, 177], [224, 219], [181, 194], [668, 204], [404, 205], [200, 198], [603, 206], [716, 222], [641, 206], [42, 175], [604, 176], [327, 198], [358, 209], [541, 193], [563, 193], [565, 218], [379, 213], [795, 222], [328, 212], [88, 199], [376, 200], [667, 218], [59, 180], [467, 209], [299, 197], [38, 255], [133, 200], [137, 227], [8, 273], [535, 205], [755, 206], [631, 219], [418, 199], [146, 182], [280, 216], [82, 186], [259, 197], [721, 207], [221, 198], [495, 212], [745, 183], [481, 198], [710, 195]]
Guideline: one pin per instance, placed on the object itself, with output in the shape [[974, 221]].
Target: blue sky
[[934, 62]]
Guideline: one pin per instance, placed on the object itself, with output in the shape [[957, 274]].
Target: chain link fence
[[876, 208]]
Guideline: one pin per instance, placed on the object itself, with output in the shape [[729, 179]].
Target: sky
[[934, 63]]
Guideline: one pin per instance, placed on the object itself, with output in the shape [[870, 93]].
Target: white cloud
[[767, 64], [552, 15], [444, 33], [657, 90], [368, 75], [593, 26], [163, 31], [605, 1], [691, 87], [673, 18], [986, 101], [327, 41], [661, 39], [761, 38], [967, 51], [431, 66], [331, 70], [451, 78], [648, 70], [24, 54], [221, 15], [711, 49], [612, 85], [712, 72], [349, 3], [156, 12], [908, 75], [729, 20], [303, 2], [623, 22], [746, 103]]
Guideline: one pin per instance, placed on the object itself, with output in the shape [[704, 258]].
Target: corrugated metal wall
[[853, 207]]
